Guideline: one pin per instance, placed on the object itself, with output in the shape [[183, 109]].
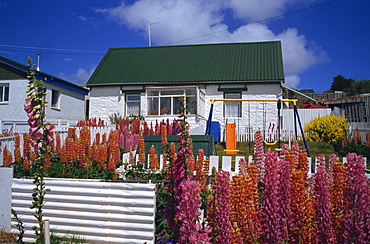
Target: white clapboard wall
[[100, 212]]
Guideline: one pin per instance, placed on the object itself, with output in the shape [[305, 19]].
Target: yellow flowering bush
[[327, 128]]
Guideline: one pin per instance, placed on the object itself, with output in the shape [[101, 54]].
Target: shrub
[[327, 128]]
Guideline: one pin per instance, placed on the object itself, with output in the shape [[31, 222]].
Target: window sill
[[4, 103], [55, 108]]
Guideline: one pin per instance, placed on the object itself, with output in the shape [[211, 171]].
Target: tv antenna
[[149, 38]]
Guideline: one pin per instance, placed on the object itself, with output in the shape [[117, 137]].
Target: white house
[[66, 100], [149, 81]]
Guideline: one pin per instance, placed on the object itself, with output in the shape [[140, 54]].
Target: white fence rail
[[21, 126], [100, 212]]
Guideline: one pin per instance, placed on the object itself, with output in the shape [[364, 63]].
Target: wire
[[89, 52], [51, 49], [259, 21]]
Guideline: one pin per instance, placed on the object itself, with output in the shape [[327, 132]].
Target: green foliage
[[64, 238], [351, 86], [140, 172], [359, 87], [350, 147], [341, 83], [58, 169], [19, 225], [115, 118], [327, 128]]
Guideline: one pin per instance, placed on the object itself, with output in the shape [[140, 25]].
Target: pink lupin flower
[[271, 218], [187, 213], [356, 215], [222, 196], [324, 227]]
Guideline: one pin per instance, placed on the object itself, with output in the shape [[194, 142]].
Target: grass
[[247, 149]]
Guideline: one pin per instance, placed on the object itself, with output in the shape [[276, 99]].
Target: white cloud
[[80, 77], [292, 81], [182, 20], [257, 9]]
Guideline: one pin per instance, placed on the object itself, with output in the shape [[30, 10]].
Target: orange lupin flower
[[245, 205], [26, 145], [113, 151], [52, 143], [17, 148], [103, 156], [163, 138], [58, 145], [199, 174], [26, 163], [191, 167], [33, 156], [336, 188], [236, 234], [141, 148], [7, 157], [153, 158], [132, 157], [302, 208], [83, 145], [104, 138], [47, 159]]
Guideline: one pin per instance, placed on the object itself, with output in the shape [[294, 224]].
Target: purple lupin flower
[[271, 218], [258, 154], [285, 199], [356, 215], [324, 227], [222, 195]]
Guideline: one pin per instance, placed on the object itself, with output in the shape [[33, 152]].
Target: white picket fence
[[21, 126], [227, 163]]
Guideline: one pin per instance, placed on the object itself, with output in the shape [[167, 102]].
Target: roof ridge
[[193, 45]]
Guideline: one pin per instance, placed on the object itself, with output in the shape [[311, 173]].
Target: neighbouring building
[[66, 100], [149, 81]]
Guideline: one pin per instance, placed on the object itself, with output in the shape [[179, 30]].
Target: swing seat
[[270, 143]]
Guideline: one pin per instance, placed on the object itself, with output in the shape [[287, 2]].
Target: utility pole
[[149, 38]]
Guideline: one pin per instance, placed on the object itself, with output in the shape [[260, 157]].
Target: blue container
[[215, 130]]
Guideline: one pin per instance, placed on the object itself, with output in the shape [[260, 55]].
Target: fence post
[[47, 231], [6, 181]]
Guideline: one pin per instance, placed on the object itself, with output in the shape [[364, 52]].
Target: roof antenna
[[149, 38], [38, 61]]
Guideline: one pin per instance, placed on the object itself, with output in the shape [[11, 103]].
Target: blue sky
[[320, 38]]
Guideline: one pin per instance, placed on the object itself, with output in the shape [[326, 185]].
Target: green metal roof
[[253, 61]]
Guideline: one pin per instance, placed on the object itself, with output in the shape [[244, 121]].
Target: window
[[167, 102], [55, 96], [133, 104], [232, 108], [4, 93]]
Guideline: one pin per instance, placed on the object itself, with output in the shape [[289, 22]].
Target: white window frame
[[4, 93], [232, 105], [53, 104], [138, 101], [163, 93]]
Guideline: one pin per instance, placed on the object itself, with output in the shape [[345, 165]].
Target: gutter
[[304, 95]]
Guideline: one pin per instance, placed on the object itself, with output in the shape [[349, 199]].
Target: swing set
[[232, 136]]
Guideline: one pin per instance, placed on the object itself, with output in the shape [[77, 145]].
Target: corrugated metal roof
[[253, 61]]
